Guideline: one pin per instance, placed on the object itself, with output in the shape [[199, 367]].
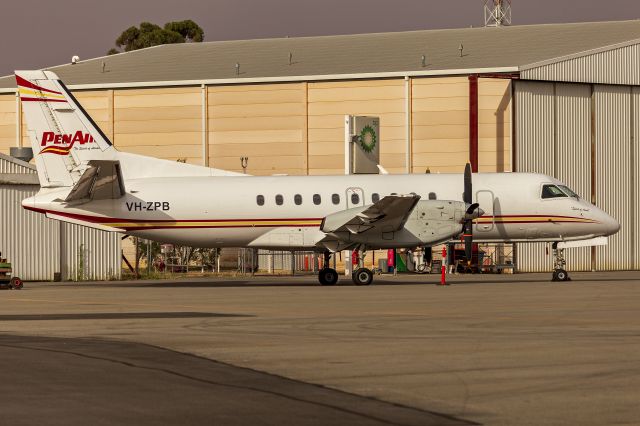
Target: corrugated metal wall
[[32, 243], [90, 254], [553, 136], [573, 152], [13, 166], [613, 172], [616, 66], [27, 239], [635, 168], [534, 153]]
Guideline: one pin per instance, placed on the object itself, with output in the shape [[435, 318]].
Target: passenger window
[[297, 199], [335, 199], [433, 196], [260, 200], [355, 198], [375, 197], [279, 199], [552, 191], [317, 199]]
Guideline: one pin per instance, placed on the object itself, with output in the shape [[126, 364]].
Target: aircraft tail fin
[[63, 136]]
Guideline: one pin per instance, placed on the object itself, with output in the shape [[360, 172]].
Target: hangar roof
[[490, 49]]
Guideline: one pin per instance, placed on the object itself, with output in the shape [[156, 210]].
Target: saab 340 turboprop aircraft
[[85, 180]]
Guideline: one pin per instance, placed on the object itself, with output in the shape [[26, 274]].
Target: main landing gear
[[559, 263], [362, 275], [327, 275]]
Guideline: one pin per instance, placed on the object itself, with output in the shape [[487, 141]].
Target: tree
[[148, 34]]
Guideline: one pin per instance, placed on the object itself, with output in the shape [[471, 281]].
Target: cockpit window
[[552, 191], [568, 191]]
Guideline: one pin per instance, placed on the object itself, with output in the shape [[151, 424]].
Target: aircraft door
[[355, 197], [486, 200]]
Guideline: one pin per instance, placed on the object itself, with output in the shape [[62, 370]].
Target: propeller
[[473, 211]]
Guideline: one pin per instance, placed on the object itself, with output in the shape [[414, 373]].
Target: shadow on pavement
[[85, 381]]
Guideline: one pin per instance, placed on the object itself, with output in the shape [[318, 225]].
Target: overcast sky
[[42, 33]]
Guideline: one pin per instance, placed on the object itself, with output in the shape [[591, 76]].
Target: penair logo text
[[61, 144]]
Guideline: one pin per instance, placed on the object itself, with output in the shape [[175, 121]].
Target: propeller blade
[[467, 195], [468, 247]]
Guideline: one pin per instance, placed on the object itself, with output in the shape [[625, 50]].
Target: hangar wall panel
[[160, 122], [534, 153], [573, 152], [494, 125], [440, 124], [266, 123], [91, 254], [614, 66], [613, 171], [27, 239], [8, 119], [329, 102], [99, 105], [553, 136], [635, 167]]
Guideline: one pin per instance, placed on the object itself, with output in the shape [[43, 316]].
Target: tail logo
[[61, 144]]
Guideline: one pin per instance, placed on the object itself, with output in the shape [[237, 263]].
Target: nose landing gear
[[559, 263], [327, 275]]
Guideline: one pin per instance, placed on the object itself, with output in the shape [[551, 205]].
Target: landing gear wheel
[[328, 276], [362, 276], [560, 275], [15, 283]]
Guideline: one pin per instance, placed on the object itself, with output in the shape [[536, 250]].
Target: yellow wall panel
[[266, 123], [256, 110], [153, 139], [494, 125], [329, 102], [7, 122], [284, 94], [163, 123], [257, 123], [158, 113], [158, 126], [255, 149]]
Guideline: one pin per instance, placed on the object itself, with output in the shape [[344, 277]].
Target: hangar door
[[553, 135]]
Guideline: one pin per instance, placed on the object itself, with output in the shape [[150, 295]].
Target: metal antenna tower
[[497, 13]]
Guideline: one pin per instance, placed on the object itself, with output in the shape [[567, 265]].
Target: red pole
[[473, 122], [443, 280]]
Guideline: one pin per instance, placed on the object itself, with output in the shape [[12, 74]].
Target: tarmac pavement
[[509, 349]]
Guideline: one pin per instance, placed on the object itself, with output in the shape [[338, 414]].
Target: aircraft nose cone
[[614, 226], [610, 225]]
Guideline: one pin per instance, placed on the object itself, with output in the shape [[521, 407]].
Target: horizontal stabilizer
[[101, 181]]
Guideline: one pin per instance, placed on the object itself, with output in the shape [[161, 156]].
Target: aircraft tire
[[561, 275], [362, 276], [328, 276]]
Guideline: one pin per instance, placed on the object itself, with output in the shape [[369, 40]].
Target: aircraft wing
[[387, 215], [101, 181]]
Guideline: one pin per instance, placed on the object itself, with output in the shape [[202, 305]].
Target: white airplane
[[85, 180]]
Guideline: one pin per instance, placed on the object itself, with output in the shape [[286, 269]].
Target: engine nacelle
[[436, 221], [431, 222]]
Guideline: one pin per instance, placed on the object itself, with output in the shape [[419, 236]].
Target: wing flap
[[388, 214]]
